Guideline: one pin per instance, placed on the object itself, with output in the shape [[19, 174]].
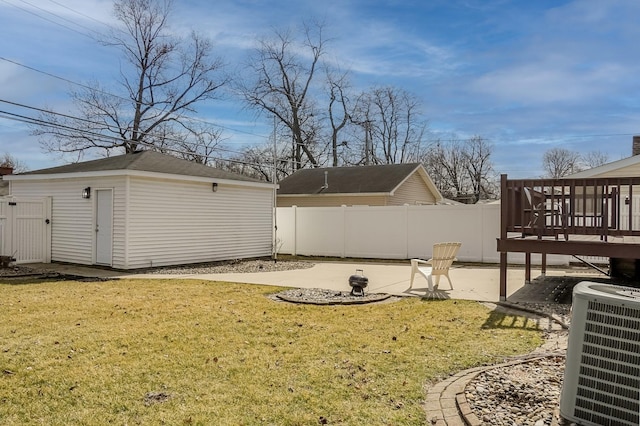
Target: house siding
[[176, 222], [332, 201], [413, 191], [72, 217], [632, 170]]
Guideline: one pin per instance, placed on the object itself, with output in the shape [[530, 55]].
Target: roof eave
[[137, 173], [605, 168]]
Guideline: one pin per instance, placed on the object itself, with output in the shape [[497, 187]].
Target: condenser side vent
[[602, 374]]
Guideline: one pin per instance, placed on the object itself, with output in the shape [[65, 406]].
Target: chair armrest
[[425, 262]]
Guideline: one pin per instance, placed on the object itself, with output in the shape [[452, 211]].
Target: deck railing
[[563, 207]]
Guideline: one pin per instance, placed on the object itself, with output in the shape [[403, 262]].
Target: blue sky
[[526, 75]]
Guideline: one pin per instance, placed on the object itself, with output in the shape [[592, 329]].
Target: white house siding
[[413, 191], [632, 170], [177, 222], [72, 217], [332, 201]]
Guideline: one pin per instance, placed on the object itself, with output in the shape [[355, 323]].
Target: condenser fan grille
[[609, 374]]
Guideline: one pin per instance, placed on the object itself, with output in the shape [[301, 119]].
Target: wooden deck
[[581, 217]]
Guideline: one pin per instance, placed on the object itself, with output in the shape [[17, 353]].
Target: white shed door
[[104, 226]]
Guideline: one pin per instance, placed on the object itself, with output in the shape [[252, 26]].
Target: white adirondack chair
[[442, 257]]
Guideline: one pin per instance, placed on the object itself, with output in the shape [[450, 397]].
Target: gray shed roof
[[146, 161], [347, 180]]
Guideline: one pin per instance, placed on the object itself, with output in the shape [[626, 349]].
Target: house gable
[[414, 190], [393, 184]]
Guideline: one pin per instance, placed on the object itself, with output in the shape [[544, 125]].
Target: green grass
[[191, 352]]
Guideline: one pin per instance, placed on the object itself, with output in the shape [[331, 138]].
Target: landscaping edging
[[446, 403]]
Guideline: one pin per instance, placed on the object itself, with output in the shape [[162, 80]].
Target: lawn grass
[[191, 352]]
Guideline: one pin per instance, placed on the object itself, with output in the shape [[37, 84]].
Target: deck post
[[503, 277], [527, 268], [504, 211], [544, 264]]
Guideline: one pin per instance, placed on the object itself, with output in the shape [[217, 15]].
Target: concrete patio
[[476, 282]]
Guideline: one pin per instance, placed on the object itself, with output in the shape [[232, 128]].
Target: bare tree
[[594, 159], [257, 162], [283, 71], [392, 123], [560, 162], [163, 78], [8, 160], [445, 163], [462, 169], [338, 110], [479, 167]]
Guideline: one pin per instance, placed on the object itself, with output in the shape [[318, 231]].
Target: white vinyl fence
[[395, 232]]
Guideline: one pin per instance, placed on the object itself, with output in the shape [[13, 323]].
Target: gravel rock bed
[[561, 312], [17, 271], [318, 296], [524, 394], [239, 266], [25, 273]]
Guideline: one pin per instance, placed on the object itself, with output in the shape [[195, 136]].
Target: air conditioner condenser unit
[[602, 372]]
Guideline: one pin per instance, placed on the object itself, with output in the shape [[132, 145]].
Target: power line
[[75, 129], [81, 14], [30, 120], [94, 89], [46, 19], [91, 30], [100, 136]]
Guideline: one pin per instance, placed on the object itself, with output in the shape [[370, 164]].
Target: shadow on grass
[[503, 320], [44, 278]]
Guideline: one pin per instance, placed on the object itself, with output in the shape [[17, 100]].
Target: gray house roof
[[348, 180], [145, 161]]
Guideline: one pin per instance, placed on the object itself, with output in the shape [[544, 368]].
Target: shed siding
[[174, 222], [413, 191], [332, 201], [72, 217]]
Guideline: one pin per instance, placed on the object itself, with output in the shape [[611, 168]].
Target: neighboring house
[[625, 168], [148, 209], [4, 185], [382, 185]]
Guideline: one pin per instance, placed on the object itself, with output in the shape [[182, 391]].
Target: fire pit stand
[[358, 282]]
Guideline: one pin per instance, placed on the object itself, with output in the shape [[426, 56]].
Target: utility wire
[[111, 128], [46, 19], [81, 14], [93, 89], [91, 30], [102, 136], [30, 120]]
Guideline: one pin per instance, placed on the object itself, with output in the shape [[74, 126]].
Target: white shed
[[149, 209]]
